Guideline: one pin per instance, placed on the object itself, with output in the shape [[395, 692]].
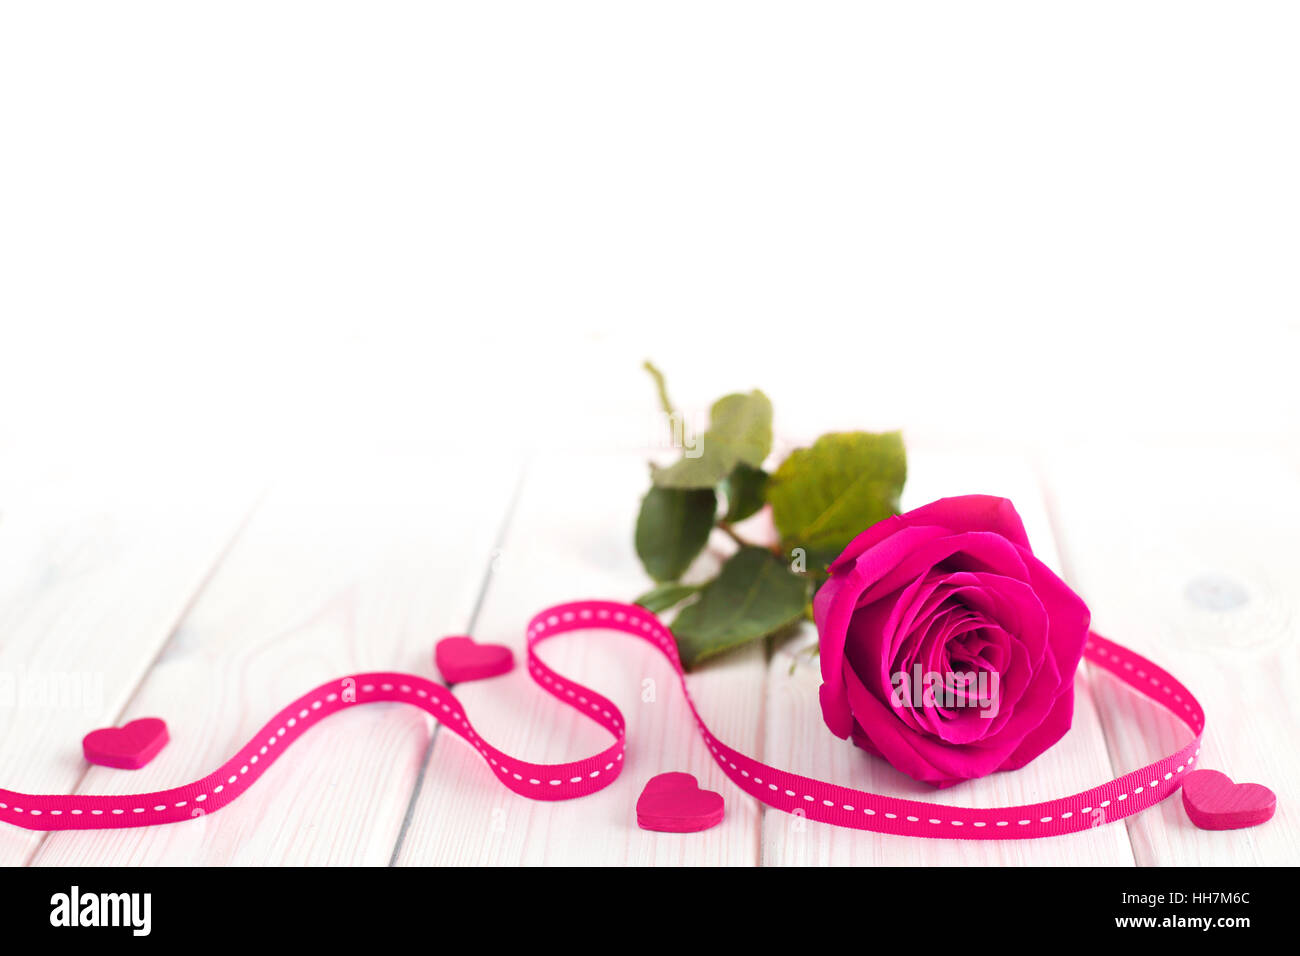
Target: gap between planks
[[470, 627]]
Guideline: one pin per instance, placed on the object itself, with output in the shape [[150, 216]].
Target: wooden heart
[[462, 658], [127, 748], [674, 803], [1214, 802]]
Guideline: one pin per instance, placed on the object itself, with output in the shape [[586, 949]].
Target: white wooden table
[[212, 601]]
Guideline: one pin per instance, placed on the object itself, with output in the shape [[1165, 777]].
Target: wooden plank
[[97, 565], [1188, 555], [571, 538], [796, 738], [343, 568]]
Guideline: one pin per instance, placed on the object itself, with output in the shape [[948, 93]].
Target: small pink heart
[[126, 748], [461, 659], [1214, 802], [674, 803]]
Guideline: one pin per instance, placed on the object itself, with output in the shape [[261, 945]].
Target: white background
[[239, 227]]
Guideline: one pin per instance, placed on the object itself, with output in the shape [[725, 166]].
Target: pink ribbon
[[815, 799]]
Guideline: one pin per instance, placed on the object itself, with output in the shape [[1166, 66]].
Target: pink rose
[[946, 647]]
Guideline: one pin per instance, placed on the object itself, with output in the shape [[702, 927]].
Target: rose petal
[[959, 514], [1047, 733], [868, 539], [836, 600], [972, 513], [1070, 617], [919, 756], [976, 551]]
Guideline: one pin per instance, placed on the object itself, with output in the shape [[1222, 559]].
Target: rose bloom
[[950, 588]]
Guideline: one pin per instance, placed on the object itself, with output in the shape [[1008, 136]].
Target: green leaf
[[744, 489], [672, 529], [755, 595], [740, 432], [665, 596], [824, 496], [743, 425]]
